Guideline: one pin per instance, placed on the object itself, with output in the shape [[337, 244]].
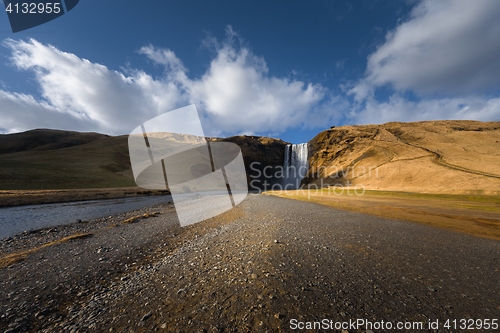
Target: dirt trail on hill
[[453, 157], [256, 268], [439, 159]]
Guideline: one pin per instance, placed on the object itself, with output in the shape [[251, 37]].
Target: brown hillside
[[431, 156], [53, 159]]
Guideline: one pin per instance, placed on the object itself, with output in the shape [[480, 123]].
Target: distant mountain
[[54, 159]]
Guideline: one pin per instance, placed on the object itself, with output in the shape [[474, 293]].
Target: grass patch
[[137, 218], [477, 215], [13, 258], [10, 198], [413, 195]]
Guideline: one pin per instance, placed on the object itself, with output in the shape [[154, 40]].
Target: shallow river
[[14, 220]]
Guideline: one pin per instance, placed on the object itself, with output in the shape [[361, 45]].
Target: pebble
[[326, 283], [146, 316]]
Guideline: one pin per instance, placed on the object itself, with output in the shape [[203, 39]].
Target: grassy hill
[[431, 156], [52, 159]]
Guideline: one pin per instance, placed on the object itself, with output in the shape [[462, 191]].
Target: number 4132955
[[471, 324], [34, 8]]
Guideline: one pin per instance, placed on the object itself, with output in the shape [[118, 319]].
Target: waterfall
[[295, 165]]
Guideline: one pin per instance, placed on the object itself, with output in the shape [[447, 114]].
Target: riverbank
[[255, 268], [10, 198]]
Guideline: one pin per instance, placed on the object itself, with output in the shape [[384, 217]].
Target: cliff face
[[433, 156], [263, 158]]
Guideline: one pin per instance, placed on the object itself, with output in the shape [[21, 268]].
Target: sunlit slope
[[431, 156]]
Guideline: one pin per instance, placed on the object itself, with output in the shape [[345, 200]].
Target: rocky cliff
[[263, 157]]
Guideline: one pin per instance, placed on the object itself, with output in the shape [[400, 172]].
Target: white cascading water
[[295, 165]]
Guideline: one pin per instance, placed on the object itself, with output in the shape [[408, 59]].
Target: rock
[[144, 318], [43, 312]]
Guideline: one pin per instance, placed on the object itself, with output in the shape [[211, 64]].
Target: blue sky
[[286, 69]]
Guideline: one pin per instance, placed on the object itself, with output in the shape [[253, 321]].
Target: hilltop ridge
[[56, 159], [432, 156]]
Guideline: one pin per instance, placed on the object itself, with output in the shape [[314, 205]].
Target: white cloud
[[397, 108], [446, 47], [84, 92], [238, 93], [340, 64], [20, 112], [235, 95]]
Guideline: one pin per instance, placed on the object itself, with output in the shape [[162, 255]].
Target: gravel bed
[[254, 268]]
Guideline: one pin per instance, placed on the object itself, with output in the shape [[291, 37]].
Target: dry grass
[[454, 157], [135, 219], [16, 257], [475, 215], [33, 197]]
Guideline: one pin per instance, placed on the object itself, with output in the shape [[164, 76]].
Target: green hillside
[[50, 159]]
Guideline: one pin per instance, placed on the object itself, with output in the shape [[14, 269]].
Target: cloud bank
[[445, 56], [235, 94], [447, 46]]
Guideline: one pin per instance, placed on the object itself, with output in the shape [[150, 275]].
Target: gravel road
[[264, 266]]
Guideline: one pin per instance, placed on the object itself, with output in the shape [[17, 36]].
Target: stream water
[[14, 220]]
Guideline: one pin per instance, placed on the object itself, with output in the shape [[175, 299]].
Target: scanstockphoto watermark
[[333, 180], [357, 324], [205, 177], [258, 171], [26, 14], [314, 189]]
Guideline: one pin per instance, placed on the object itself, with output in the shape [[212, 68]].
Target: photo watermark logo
[[205, 177], [322, 180], [26, 14]]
